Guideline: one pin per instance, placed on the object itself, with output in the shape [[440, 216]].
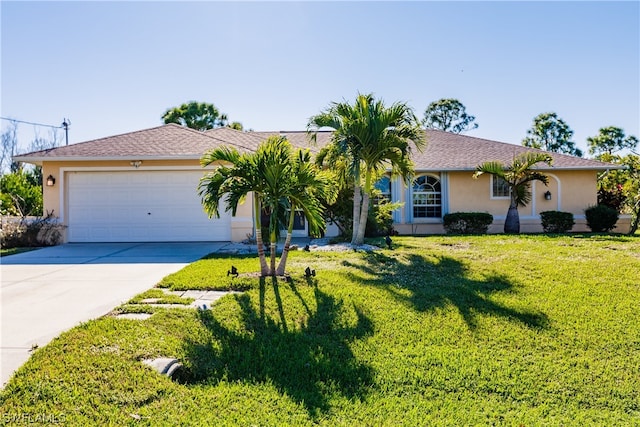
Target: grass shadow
[[309, 362], [438, 282]]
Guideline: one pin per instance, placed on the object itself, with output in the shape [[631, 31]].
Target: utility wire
[[32, 123]]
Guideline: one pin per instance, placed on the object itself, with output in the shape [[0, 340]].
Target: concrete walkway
[[48, 291]]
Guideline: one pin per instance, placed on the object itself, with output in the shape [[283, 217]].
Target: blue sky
[[115, 67]]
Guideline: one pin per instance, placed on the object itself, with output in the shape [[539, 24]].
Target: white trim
[[491, 196], [558, 197], [421, 220]]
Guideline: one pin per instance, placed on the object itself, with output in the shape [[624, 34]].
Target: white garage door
[[140, 206]]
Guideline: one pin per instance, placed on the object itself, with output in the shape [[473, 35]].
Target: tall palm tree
[[271, 175], [368, 138], [518, 175]]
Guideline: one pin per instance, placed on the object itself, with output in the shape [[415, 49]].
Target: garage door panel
[[143, 206]]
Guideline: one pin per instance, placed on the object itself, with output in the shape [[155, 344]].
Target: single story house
[[142, 186]]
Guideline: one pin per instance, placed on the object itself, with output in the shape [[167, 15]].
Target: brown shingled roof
[[447, 151], [444, 152], [169, 141]]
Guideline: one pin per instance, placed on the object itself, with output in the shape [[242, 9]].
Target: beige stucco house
[[141, 186]]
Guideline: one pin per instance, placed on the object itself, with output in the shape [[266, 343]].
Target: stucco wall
[[571, 191], [54, 198]]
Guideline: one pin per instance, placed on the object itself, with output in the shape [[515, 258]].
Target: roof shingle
[[444, 152]]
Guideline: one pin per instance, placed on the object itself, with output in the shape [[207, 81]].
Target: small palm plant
[[279, 181], [309, 188], [518, 175]]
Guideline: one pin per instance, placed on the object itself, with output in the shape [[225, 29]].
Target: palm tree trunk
[[364, 210], [512, 222], [257, 211], [357, 203], [273, 239], [287, 244]]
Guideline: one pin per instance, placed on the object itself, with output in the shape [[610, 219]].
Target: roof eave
[[37, 160], [569, 168]]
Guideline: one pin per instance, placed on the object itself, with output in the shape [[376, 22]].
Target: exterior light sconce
[[547, 195], [136, 163], [51, 181]]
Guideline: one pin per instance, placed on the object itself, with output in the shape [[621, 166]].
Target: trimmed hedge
[[467, 222], [556, 221], [601, 218]]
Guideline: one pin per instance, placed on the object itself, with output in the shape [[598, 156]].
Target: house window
[[499, 188], [384, 187], [427, 197]]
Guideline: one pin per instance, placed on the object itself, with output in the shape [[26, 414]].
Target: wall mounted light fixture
[[136, 163], [51, 181], [547, 195]]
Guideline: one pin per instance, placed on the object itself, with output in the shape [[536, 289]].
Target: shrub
[[30, 232], [556, 221], [380, 219], [467, 222], [601, 218], [614, 198]]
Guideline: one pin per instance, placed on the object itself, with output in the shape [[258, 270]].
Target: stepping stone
[[134, 316]]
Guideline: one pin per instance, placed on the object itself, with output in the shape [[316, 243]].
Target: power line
[[35, 124]]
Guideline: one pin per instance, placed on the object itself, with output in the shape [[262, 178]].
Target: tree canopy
[[20, 194], [610, 140], [368, 139], [449, 115], [551, 133], [198, 115]]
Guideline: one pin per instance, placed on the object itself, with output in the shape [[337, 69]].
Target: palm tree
[[309, 188], [271, 174], [236, 177], [368, 138], [518, 175]]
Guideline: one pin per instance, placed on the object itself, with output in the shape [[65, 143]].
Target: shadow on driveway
[[116, 253]]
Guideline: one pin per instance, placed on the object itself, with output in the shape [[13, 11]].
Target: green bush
[[467, 222], [20, 194], [556, 221], [380, 218], [601, 218]]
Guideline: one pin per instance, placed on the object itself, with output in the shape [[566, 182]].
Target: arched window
[[427, 197]]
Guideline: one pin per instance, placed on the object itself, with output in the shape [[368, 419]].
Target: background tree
[[449, 115], [551, 133], [20, 194], [610, 140], [9, 141], [518, 175], [195, 115], [618, 188], [368, 139]]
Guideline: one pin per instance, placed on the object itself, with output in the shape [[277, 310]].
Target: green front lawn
[[488, 330], [12, 251]]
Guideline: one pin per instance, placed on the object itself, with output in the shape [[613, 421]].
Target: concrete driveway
[[48, 291]]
